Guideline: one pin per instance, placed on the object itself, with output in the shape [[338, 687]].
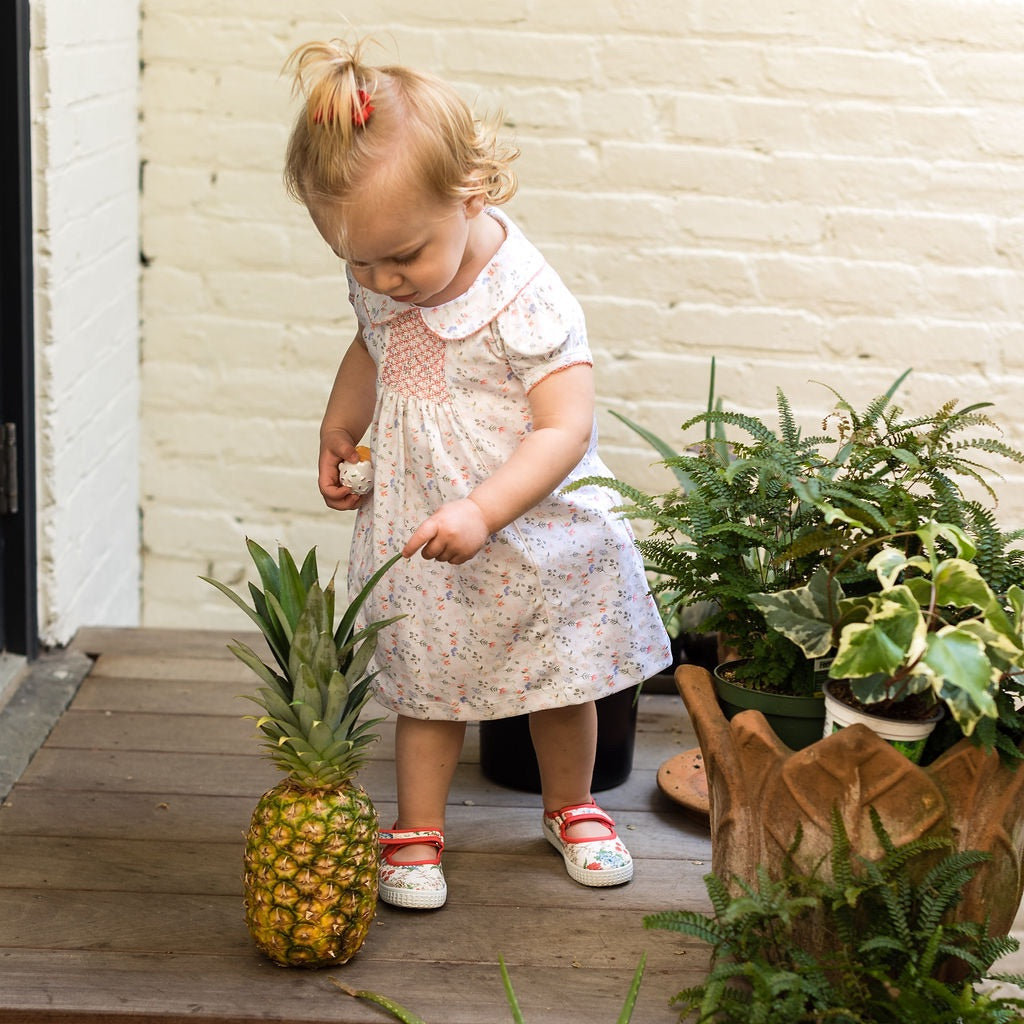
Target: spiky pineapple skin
[[311, 864]]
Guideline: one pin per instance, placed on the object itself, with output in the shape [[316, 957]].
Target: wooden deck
[[120, 848]]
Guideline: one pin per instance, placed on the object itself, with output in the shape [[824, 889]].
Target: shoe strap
[[394, 840], [567, 816]]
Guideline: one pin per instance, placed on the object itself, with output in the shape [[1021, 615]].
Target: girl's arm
[[348, 415], [562, 409]]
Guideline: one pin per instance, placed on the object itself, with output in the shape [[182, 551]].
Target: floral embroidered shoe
[[601, 861], [420, 884]]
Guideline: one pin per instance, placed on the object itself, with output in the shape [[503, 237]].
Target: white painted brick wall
[[86, 214], [807, 190]]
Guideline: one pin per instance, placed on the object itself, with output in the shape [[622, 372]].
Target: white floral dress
[[555, 609]]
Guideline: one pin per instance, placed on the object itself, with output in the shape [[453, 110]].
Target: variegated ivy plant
[[933, 626]]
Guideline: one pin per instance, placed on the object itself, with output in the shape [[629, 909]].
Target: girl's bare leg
[[426, 756], [565, 740]]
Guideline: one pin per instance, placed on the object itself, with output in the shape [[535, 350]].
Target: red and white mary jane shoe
[[594, 861], [419, 885]]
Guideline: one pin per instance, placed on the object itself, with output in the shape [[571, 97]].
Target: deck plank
[[215, 869], [186, 923], [121, 853], [90, 726], [81, 986], [661, 833]]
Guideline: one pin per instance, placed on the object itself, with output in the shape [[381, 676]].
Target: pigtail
[[337, 87], [339, 94], [356, 118]]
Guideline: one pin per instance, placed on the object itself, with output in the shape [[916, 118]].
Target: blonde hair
[[358, 119]]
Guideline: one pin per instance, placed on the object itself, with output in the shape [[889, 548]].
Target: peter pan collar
[[509, 271]]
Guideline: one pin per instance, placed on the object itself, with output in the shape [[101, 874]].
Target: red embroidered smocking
[[414, 364]]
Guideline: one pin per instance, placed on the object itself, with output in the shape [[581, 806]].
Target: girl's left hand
[[454, 533]]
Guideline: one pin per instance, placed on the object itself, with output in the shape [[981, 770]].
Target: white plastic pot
[[907, 736]]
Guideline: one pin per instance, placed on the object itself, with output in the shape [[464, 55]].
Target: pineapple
[[311, 855]]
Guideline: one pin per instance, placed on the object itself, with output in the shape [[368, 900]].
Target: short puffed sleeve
[[357, 298], [542, 330]]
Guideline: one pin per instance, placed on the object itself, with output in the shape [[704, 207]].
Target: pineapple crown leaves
[[313, 698]]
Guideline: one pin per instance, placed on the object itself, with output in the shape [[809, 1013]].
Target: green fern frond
[[688, 922]]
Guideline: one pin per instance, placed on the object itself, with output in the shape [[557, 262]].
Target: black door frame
[[18, 615]]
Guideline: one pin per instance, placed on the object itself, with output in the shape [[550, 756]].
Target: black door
[[18, 621]]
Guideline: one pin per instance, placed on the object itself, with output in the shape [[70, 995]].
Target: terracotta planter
[[760, 791]]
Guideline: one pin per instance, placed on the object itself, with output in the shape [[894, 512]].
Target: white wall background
[[808, 189], [85, 99]]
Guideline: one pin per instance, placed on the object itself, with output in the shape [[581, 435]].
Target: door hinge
[[8, 469]]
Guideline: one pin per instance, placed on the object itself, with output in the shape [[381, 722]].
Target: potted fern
[[760, 513]]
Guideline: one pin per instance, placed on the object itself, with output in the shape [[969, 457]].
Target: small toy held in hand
[[357, 476]]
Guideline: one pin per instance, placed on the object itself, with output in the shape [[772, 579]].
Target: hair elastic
[[361, 113], [362, 108]]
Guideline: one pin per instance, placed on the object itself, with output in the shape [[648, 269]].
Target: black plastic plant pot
[[507, 757]]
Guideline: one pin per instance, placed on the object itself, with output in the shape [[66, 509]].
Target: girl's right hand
[[337, 446]]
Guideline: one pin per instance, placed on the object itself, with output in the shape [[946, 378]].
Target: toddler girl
[[471, 373]]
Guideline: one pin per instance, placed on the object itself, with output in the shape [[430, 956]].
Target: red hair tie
[[362, 108], [361, 113]]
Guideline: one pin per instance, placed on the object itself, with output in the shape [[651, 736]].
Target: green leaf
[[329, 596], [954, 535], [307, 633], [963, 675], [292, 593], [363, 648], [888, 564], [803, 613], [248, 656], [272, 702], [270, 577], [396, 1010], [634, 991], [344, 630], [893, 634], [958, 583], [321, 739], [348, 653], [337, 695], [510, 996], [325, 659], [308, 706], [309, 573], [665, 450], [278, 637], [228, 592], [285, 627]]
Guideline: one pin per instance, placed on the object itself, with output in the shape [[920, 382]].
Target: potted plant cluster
[[762, 512], [773, 510], [932, 636]]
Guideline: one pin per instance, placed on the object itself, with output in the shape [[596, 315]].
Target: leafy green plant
[[876, 943], [400, 1013], [760, 513], [933, 626]]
